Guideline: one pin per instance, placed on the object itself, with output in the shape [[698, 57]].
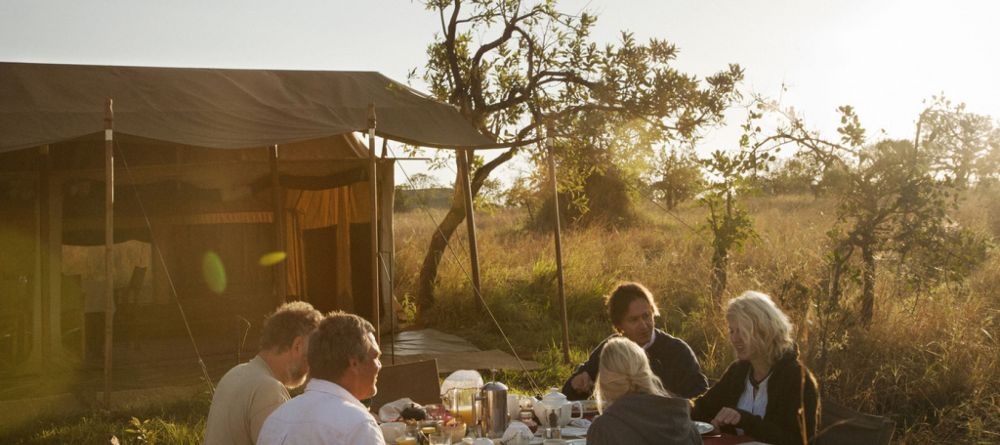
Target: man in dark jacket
[[632, 310]]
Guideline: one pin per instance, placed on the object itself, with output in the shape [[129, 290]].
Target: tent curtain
[[314, 209]]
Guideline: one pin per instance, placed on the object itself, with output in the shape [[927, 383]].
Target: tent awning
[[218, 108]]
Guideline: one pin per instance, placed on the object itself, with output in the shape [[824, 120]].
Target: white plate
[[703, 427], [573, 431], [538, 441]]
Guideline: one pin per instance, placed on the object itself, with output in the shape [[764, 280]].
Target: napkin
[[582, 423], [391, 411], [517, 433]]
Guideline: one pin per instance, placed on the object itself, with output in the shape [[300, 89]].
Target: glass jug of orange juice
[[462, 402]]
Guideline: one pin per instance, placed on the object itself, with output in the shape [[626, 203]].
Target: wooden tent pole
[[278, 203], [465, 168], [373, 200], [109, 233], [559, 259], [45, 241]]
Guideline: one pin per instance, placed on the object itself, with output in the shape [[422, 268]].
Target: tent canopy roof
[[218, 108]]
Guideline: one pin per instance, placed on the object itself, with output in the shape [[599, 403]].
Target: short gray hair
[[339, 338], [288, 322]]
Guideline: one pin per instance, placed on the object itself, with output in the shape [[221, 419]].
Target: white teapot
[[556, 402]]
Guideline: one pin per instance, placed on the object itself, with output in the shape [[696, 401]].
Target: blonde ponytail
[[624, 369]]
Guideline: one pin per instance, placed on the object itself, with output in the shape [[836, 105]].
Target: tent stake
[[109, 233], [559, 260], [278, 203], [465, 170], [373, 200]]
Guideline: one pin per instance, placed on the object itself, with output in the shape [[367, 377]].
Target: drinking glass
[[439, 439]]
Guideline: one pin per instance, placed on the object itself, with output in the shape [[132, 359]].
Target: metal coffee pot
[[494, 417]]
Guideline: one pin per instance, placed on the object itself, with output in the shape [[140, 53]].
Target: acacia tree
[[891, 201], [734, 175], [513, 69], [958, 141], [680, 178], [727, 220]]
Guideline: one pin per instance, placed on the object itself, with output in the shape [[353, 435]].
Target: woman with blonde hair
[[767, 393], [635, 409]]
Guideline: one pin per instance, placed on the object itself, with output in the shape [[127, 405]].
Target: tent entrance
[[328, 240]]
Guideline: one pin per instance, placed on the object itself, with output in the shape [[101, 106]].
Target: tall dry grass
[[930, 360]]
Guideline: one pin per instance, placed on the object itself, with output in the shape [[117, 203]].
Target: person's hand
[[582, 382], [726, 416]]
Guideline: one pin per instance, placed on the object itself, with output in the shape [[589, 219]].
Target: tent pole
[[559, 259], [109, 232], [278, 203], [373, 200], [470, 223], [45, 232]]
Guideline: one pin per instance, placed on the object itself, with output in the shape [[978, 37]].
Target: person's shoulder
[[650, 401], [736, 369], [792, 369], [667, 341], [236, 377]]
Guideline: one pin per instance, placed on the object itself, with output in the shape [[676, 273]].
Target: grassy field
[[930, 360]]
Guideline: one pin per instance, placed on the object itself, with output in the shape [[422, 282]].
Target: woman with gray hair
[[635, 409], [767, 393]]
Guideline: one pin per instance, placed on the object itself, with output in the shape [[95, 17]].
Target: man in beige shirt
[[249, 392]]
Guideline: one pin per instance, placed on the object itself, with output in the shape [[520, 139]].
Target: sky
[[884, 57]]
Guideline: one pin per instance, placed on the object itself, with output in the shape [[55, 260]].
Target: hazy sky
[[883, 57]]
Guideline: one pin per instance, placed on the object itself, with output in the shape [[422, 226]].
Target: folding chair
[[418, 381], [840, 425]]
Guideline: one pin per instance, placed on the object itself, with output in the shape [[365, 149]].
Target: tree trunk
[[868, 280], [720, 263], [439, 242], [447, 227]]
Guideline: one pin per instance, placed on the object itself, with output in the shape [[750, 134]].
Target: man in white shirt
[[249, 392], [344, 365]]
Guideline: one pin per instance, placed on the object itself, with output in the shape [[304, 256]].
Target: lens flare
[[272, 258], [213, 272]]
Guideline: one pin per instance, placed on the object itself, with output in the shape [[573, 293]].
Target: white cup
[[513, 406]]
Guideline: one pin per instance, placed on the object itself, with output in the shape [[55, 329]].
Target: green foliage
[[962, 145], [605, 198], [794, 176], [680, 178], [733, 176], [893, 200], [181, 422]]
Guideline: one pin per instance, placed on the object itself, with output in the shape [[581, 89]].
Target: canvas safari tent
[[213, 169]]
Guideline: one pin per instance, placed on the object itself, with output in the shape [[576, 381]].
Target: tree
[[727, 220], [794, 175], [680, 178], [960, 142], [516, 71], [890, 202], [734, 175]]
